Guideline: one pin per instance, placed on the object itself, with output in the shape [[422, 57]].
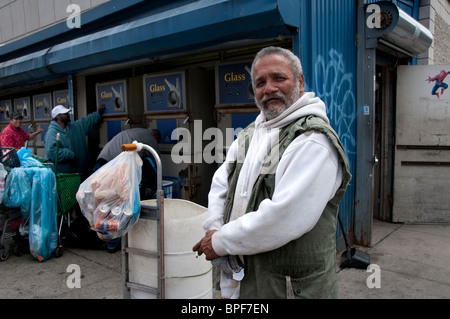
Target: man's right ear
[[302, 84]]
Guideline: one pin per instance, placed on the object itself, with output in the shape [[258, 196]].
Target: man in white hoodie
[[272, 209]]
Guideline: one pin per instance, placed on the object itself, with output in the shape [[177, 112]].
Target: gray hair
[[294, 61]]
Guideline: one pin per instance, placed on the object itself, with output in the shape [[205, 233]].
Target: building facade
[[184, 65]]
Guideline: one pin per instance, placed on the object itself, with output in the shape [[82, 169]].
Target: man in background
[[14, 135], [73, 154]]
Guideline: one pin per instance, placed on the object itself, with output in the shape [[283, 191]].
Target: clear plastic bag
[[25, 158], [109, 198], [3, 174], [34, 190], [43, 228], [18, 190]]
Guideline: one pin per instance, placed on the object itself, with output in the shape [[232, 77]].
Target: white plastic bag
[[3, 174], [109, 198]]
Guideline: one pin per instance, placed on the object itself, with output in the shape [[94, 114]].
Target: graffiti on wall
[[335, 87]]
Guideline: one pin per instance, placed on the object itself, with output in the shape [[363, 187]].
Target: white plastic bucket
[[187, 277]]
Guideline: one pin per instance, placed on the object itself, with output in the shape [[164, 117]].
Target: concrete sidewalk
[[25, 277], [413, 261]]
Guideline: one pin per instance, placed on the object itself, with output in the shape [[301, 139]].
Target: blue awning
[[190, 27]]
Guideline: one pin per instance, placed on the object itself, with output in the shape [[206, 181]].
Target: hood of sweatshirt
[[266, 135]]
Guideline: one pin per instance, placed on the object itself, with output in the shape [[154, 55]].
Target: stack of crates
[[171, 186]]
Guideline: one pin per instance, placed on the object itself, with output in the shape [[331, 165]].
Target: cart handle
[[136, 146], [57, 150], [129, 147]]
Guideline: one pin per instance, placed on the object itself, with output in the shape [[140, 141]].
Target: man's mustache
[[278, 95]]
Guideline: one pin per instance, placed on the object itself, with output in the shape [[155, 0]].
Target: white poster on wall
[[422, 153], [423, 105]]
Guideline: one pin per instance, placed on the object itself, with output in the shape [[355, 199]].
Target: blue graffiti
[[335, 87]]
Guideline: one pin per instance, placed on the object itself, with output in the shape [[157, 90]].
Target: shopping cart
[[9, 158], [8, 216], [67, 185]]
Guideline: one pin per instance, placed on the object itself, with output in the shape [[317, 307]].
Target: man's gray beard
[[271, 114]]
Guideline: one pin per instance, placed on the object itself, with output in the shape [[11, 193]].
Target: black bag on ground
[[82, 236]]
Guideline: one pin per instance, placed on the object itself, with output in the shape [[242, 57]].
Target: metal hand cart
[[157, 257], [8, 215], [155, 213]]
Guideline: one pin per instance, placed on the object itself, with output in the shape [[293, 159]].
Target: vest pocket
[[298, 288]]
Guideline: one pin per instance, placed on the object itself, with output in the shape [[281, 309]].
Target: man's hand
[[204, 246], [35, 133], [101, 109]]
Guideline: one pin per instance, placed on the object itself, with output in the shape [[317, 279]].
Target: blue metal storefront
[[322, 33], [328, 51]]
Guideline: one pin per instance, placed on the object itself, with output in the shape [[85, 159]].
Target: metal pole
[[366, 64]]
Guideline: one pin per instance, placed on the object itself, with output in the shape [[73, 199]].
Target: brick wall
[[442, 41], [435, 15]]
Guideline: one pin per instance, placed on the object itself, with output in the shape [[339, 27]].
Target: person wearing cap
[[73, 153], [14, 135]]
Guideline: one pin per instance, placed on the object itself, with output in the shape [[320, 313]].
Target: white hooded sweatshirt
[[307, 177]]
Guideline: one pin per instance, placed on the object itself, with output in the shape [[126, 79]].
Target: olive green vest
[[305, 267]]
